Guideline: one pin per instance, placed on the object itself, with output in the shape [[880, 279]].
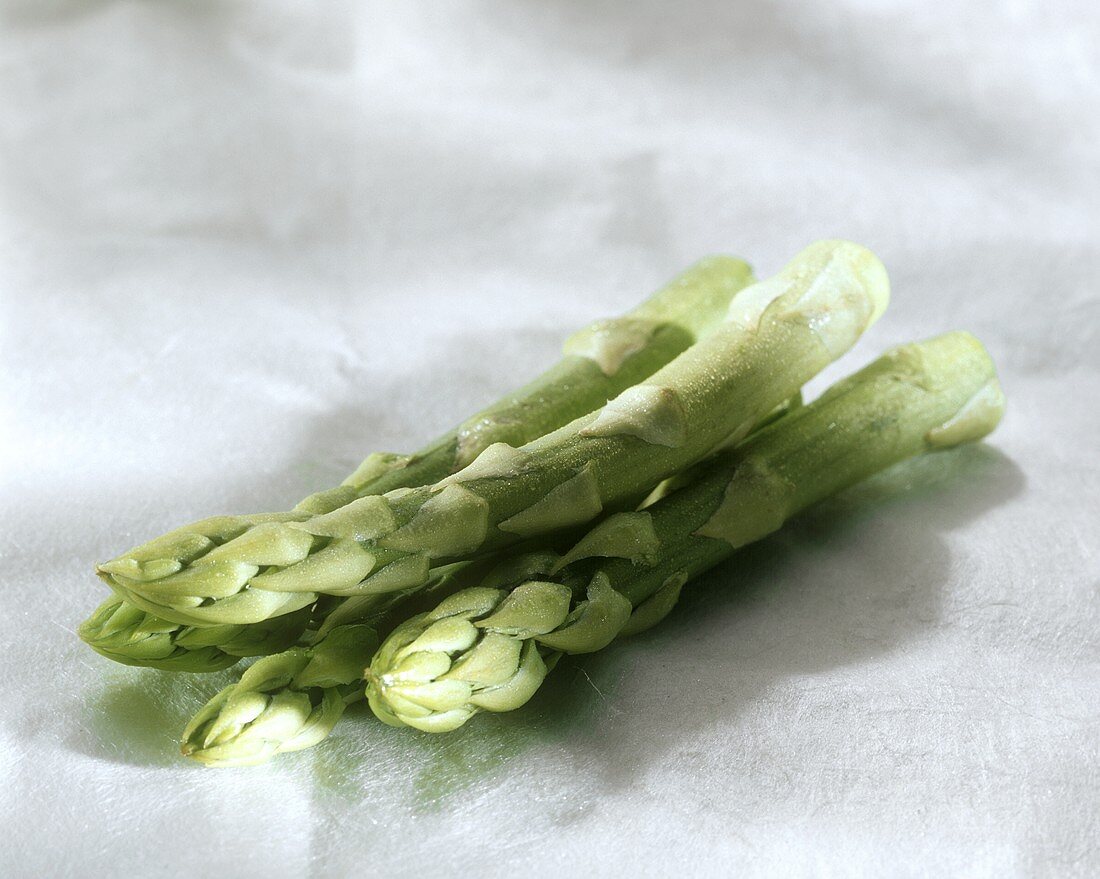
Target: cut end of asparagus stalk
[[838, 288]]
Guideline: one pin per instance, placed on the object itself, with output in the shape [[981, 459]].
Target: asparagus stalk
[[489, 648], [778, 335], [599, 361]]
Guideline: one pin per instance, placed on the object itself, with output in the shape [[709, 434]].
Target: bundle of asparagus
[[567, 515]]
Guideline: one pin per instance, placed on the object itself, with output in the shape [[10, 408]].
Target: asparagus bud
[[122, 632], [282, 703], [480, 650], [293, 700]]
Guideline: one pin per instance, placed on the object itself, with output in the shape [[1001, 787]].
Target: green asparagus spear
[[488, 648], [778, 334], [599, 361]]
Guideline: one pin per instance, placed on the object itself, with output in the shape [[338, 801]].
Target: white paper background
[[243, 244]]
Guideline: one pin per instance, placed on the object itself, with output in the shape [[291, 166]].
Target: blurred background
[[243, 244]]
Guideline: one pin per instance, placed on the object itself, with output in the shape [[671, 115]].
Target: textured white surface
[[244, 244]]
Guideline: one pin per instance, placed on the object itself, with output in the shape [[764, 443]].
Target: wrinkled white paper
[[244, 244]]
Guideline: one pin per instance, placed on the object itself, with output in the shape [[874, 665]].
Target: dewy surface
[[244, 243]]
